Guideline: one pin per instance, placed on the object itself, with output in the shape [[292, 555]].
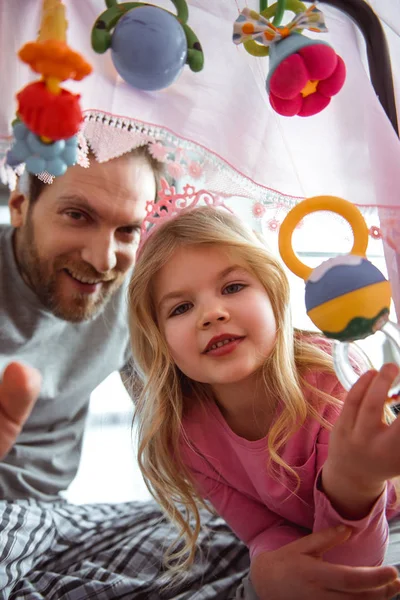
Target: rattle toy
[[48, 116], [304, 73], [346, 297], [149, 45]]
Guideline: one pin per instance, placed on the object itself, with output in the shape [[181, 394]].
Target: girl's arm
[[351, 487], [368, 541], [286, 560], [362, 452]]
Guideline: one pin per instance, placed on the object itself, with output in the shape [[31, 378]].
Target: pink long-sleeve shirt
[[231, 472]]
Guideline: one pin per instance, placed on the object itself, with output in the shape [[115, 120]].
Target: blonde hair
[[163, 388]]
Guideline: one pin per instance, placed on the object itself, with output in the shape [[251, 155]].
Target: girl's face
[[215, 315]]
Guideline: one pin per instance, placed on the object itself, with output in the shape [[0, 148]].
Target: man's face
[[77, 242]]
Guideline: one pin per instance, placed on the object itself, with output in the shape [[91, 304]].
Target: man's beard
[[42, 278]]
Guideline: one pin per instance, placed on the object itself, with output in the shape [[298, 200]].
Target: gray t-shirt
[[73, 359]]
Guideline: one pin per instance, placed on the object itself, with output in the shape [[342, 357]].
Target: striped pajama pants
[[104, 551], [108, 551]]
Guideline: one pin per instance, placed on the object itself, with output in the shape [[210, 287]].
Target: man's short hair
[[36, 186]]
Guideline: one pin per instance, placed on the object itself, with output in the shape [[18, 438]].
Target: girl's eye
[[180, 310], [233, 288]]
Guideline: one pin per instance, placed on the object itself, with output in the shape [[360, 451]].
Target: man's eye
[[233, 288], [75, 215], [180, 310], [131, 230]]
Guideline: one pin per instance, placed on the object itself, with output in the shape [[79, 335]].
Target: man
[[64, 265]]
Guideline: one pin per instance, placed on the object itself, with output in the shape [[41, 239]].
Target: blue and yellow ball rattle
[[346, 297]]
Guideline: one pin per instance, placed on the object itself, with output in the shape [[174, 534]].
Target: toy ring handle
[[345, 369], [345, 209]]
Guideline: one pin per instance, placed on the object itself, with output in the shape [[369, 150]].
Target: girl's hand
[[363, 450], [297, 572], [19, 390]]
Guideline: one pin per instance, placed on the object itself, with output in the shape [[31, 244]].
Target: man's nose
[[100, 252]]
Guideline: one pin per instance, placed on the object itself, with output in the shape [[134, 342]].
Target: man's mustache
[[83, 269]]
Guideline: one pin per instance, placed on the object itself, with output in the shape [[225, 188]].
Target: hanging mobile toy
[[149, 45], [346, 297], [48, 116], [304, 73]]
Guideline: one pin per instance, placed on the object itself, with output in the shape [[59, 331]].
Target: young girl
[[237, 408]]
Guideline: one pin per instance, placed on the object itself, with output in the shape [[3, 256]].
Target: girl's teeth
[[219, 344]]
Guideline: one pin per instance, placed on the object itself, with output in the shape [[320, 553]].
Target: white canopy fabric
[[221, 118]]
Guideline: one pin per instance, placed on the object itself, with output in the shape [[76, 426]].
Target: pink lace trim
[[109, 136]]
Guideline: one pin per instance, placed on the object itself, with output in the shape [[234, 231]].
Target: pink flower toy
[[304, 73]]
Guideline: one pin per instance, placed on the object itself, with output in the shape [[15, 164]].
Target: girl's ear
[[18, 204]]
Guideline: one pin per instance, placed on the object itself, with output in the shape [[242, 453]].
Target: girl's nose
[[212, 316]]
